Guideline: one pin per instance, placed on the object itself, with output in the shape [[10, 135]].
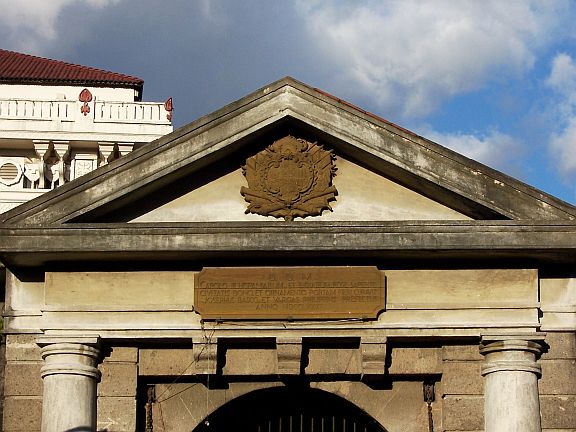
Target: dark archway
[[284, 409]]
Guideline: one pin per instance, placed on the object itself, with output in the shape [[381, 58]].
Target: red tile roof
[[20, 68]]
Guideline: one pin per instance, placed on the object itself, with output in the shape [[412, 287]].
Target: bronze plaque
[[288, 293]]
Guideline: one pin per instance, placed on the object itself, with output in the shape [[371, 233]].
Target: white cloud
[[32, 23], [562, 145], [563, 73], [410, 55], [563, 149], [562, 80], [494, 149]]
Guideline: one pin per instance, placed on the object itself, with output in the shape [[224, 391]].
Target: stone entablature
[[457, 302]]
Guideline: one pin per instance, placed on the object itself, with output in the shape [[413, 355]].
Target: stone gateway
[[223, 277]]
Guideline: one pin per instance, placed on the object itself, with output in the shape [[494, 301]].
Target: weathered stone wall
[[395, 401], [23, 384], [459, 404], [558, 384], [462, 389], [183, 406], [117, 390], [463, 386], [2, 374]]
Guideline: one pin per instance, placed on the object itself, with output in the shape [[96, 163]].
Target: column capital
[[41, 147], [520, 341], [70, 356], [512, 352], [529, 336]]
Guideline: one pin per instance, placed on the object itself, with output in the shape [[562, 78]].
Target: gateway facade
[[291, 262]]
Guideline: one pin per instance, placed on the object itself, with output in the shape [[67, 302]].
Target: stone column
[[511, 371], [70, 376]]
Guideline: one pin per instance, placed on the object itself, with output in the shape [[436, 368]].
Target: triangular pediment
[[384, 172], [363, 195]]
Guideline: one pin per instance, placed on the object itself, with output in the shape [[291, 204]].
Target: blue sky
[[492, 79]]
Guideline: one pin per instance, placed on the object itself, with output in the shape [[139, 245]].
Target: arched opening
[[284, 409]]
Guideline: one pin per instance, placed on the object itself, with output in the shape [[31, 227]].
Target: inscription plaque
[[289, 292]]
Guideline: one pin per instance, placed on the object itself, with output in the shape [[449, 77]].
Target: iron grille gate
[[317, 423], [285, 410]]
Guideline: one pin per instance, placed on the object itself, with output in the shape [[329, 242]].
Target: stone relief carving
[[54, 164], [32, 172], [85, 96], [19, 172], [82, 167], [290, 178]]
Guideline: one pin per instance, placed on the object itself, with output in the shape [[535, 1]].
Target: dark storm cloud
[[204, 55], [438, 67]]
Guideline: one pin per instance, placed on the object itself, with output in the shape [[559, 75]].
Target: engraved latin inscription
[[289, 293]]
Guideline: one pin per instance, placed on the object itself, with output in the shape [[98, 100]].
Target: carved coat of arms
[[290, 178]]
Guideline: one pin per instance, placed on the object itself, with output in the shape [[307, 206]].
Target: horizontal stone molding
[[508, 365], [490, 344], [70, 369], [475, 239]]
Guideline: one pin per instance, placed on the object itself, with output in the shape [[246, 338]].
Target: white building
[[60, 120]]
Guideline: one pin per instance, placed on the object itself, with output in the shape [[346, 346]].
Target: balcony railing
[[25, 109], [99, 111], [130, 112]]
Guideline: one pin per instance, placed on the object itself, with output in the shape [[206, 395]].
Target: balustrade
[[25, 109], [68, 110], [131, 112]]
